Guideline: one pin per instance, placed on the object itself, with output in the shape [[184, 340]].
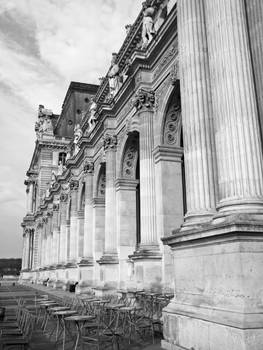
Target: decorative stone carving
[[77, 135], [74, 185], [102, 185], [109, 142], [130, 159], [144, 99], [174, 74], [55, 207], [92, 119], [44, 123], [114, 76], [63, 197], [169, 55], [172, 126], [49, 214], [88, 167], [148, 30], [128, 28]]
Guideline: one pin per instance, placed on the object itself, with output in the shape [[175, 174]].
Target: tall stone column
[[198, 130], [56, 234], [88, 215], [238, 144], [110, 250], [144, 103], [80, 234], [74, 185], [63, 232]]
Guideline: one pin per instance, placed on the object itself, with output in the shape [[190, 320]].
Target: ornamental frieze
[[171, 53], [144, 99], [109, 142], [172, 126]]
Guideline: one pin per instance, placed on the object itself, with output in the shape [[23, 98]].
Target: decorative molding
[[130, 159], [144, 100], [102, 185], [174, 73], [55, 207], [172, 126], [170, 54]]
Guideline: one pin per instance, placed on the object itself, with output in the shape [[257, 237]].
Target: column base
[[108, 259], [86, 262], [147, 268], [218, 300], [109, 271]]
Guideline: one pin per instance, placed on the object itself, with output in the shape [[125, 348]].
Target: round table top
[[79, 318], [114, 306], [65, 312], [59, 308], [101, 301]]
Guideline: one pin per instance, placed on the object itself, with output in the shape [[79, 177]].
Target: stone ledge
[[86, 262], [231, 318], [143, 254], [108, 259]]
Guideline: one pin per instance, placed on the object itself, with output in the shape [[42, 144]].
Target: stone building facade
[[154, 178]]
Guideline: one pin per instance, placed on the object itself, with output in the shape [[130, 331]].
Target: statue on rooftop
[[92, 118], [44, 124], [148, 30], [114, 76]]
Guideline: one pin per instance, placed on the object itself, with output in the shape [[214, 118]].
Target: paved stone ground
[[43, 341]]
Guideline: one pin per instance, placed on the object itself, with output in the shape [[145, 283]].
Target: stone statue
[[60, 168], [53, 178], [92, 118], [77, 133], [113, 76], [128, 28], [44, 123], [148, 30]]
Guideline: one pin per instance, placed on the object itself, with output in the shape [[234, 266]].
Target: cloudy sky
[[45, 44]]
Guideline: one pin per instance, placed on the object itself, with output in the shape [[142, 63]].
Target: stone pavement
[[43, 340]]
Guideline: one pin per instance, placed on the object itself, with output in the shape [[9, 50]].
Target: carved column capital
[[88, 167], [109, 142], [144, 100], [74, 185], [63, 197], [55, 207]]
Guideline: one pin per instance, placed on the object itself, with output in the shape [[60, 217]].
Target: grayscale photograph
[[131, 195]]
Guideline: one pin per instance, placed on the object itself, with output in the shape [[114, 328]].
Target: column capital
[[88, 167], [110, 142], [74, 185], [63, 197], [55, 206], [144, 100]]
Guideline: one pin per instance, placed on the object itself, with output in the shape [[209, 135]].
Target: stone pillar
[[98, 234], [217, 268], [198, 131], [88, 216], [80, 234], [74, 185], [56, 234], [63, 233], [87, 261], [126, 228], [109, 260], [110, 250], [238, 144], [144, 103]]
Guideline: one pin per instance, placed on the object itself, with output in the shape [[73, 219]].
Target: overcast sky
[[45, 44]]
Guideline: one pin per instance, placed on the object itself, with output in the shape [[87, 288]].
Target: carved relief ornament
[[144, 99], [63, 197], [109, 142], [88, 167], [74, 185]]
